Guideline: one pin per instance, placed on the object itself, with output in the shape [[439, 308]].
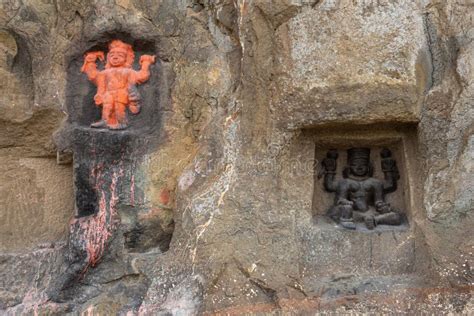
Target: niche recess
[[17, 88], [326, 248], [80, 92], [108, 163], [400, 139]]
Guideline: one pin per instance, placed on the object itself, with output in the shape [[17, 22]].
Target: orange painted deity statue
[[117, 83]]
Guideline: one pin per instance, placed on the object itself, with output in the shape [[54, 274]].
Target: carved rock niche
[[361, 144], [328, 248], [109, 143], [80, 91]]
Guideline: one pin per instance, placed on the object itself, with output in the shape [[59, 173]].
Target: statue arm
[[89, 67], [390, 183], [329, 182], [144, 73], [342, 193], [378, 192], [390, 170], [329, 166], [101, 87], [379, 199]]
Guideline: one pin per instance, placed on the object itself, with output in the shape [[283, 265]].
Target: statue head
[[358, 163], [120, 55]]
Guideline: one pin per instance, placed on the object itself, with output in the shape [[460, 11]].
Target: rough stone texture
[[246, 96], [25, 276], [370, 56], [36, 202]]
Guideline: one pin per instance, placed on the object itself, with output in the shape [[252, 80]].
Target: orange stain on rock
[[117, 83], [164, 196]]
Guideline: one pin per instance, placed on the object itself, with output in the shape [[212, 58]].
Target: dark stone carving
[[359, 196]]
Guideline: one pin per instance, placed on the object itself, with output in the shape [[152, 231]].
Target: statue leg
[[120, 116], [334, 213], [104, 121], [342, 214], [109, 114], [390, 218], [346, 219], [369, 219]]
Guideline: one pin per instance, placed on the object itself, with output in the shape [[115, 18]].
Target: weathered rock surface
[[354, 61], [217, 206]]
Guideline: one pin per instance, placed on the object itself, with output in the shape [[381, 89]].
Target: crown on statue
[[358, 154], [118, 44]]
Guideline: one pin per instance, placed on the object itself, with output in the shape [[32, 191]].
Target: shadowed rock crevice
[[16, 70]]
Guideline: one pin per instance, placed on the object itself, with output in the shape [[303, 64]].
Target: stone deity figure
[[117, 83], [359, 196]]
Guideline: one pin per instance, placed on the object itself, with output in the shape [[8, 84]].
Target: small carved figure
[[116, 84], [359, 196]]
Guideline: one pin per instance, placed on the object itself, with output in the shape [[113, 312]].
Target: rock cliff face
[[211, 199]]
